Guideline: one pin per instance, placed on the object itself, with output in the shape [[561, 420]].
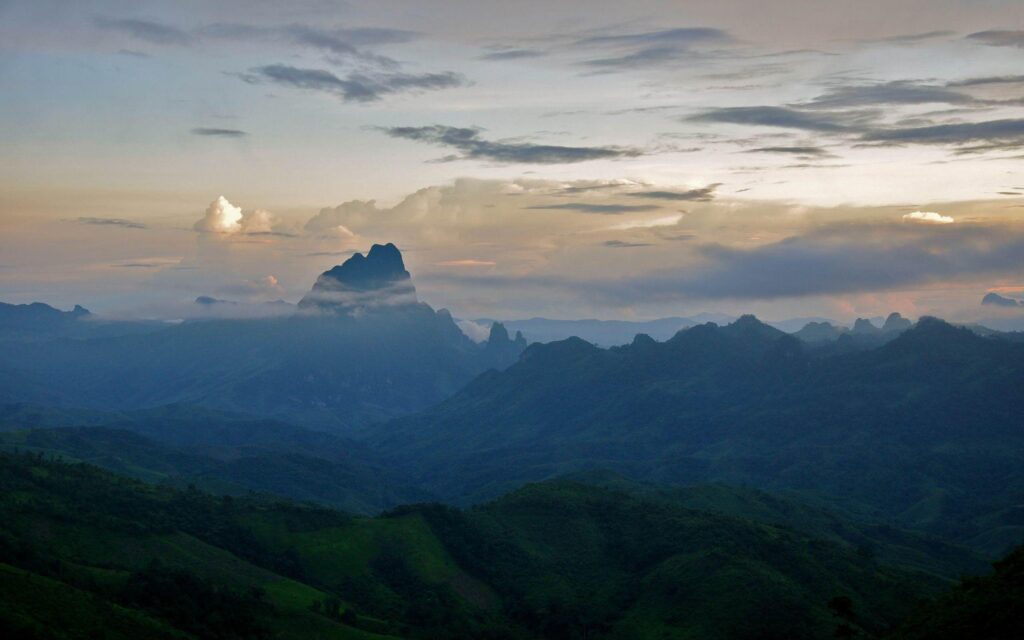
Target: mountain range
[[359, 348]]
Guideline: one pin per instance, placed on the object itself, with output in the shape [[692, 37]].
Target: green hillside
[[559, 559]]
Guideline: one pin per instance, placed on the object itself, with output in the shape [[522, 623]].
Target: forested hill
[[84, 552], [925, 429]]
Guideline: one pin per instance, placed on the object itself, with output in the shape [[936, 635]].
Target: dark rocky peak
[[38, 315], [932, 336], [643, 340], [993, 299], [749, 327], [498, 335], [819, 332], [502, 350], [559, 352], [896, 322], [520, 341], [376, 280], [864, 326]]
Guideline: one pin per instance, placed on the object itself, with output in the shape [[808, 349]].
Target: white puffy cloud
[[353, 212], [928, 217], [220, 217], [224, 218]]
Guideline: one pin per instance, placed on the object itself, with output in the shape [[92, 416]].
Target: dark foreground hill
[[83, 551], [230, 457], [926, 429]]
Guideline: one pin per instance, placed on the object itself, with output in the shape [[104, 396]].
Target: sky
[[564, 159]]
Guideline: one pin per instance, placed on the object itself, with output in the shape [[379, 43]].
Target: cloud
[[1006, 133], [356, 86], [887, 93], [224, 218], [649, 48], [353, 212], [999, 38], [666, 221], [929, 217], [341, 44], [112, 222], [220, 217], [219, 133], [513, 54], [817, 152], [254, 288], [985, 80], [611, 209], [703, 194], [911, 38], [472, 146], [146, 30], [466, 263], [475, 331], [622, 244], [784, 117], [832, 260]]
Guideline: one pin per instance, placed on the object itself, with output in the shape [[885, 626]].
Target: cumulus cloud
[[220, 217], [335, 219], [929, 217], [468, 141], [224, 218]]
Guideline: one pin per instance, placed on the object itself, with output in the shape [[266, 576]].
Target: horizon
[[629, 163]]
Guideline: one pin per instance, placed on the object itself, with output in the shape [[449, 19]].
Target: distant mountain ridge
[[361, 348], [877, 428]]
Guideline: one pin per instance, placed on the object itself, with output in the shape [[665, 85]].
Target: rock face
[[376, 280]]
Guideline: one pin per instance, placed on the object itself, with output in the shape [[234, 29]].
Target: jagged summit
[[378, 279]]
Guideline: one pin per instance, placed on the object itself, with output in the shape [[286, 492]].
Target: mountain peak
[[993, 299], [863, 325], [896, 322], [377, 279]]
